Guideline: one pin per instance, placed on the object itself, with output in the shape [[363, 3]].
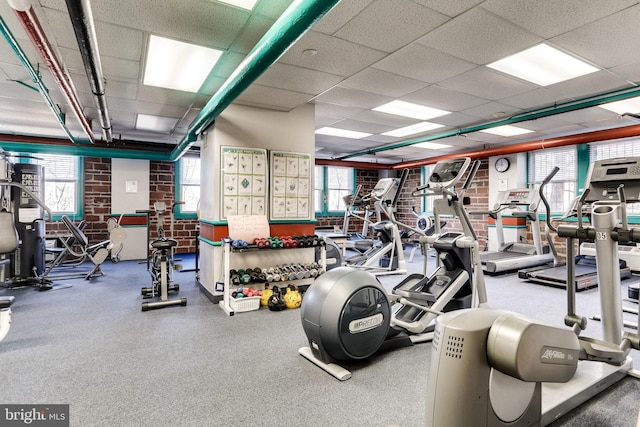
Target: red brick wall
[[97, 202], [161, 188]]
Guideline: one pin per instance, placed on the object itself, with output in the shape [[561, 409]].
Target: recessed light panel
[[413, 129], [631, 105], [431, 145], [155, 123], [408, 109], [507, 130], [543, 65], [342, 132], [176, 65], [245, 4]]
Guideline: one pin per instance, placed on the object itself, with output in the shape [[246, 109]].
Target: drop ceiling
[[366, 53]]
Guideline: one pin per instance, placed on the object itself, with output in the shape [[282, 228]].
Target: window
[[427, 202], [188, 186], [331, 185], [612, 150], [62, 184], [561, 191]]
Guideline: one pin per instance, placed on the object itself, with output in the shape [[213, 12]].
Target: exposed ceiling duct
[[84, 28], [33, 28], [36, 78]]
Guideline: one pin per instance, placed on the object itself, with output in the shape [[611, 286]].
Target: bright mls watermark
[[34, 415]]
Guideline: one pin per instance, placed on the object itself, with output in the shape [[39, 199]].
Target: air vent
[[454, 347], [436, 339]]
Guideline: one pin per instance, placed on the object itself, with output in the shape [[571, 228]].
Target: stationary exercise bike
[[512, 371], [347, 314], [161, 265]]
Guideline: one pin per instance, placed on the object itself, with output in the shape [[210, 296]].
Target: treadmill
[[585, 270], [514, 256]]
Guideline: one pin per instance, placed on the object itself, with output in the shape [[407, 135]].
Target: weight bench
[[62, 252]]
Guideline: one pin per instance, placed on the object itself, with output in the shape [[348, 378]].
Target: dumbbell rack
[[264, 258]]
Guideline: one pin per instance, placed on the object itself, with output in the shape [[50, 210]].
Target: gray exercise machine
[[511, 256], [387, 254], [584, 266], [509, 370], [358, 207], [161, 263], [347, 314]]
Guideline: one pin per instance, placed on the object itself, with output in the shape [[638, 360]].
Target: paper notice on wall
[[248, 227]]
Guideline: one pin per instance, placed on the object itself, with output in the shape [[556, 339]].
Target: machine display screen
[[616, 171], [446, 171], [518, 195]]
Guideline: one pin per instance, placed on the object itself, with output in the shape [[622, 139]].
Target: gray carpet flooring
[[90, 346]]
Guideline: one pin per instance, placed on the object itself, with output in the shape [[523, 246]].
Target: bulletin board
[[244, 181], [290, 185]]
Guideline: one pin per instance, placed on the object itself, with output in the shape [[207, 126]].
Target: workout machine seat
[[164, 243], [5, 302]]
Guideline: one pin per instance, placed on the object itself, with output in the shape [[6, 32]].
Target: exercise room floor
[[91, 347]]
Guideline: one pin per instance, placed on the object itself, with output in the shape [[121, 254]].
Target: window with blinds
[[561, 191], [61, 182], [613, 150], [427, 202], [189, 184]]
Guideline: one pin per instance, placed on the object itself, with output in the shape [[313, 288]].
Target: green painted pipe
[[294, 22], [35, 77], [564, 107], [84, 150]]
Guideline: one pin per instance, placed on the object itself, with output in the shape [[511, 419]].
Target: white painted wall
[[241, 126], [130, 192], [514, 177]]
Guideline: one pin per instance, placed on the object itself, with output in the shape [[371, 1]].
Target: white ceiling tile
[[423, 63], [335, 110], [608, 42], [268, 97], [391, 120], [353, 98], [488, 84], [549, 18], [342, 13], [443, 98], [450, 7], [359, 126], [298, 79], [479, 37], [383, 83], [335, 56], [390, 24], [256, 28], [584, 86]]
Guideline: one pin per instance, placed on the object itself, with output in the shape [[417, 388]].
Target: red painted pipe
[[581, 138], [34, 30]]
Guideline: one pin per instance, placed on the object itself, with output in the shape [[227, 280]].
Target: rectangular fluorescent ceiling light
[[507, 130], [407, 109], [413, 129], [342, 132], [431, 145], [543, 65], [631, 105], [245, 4], [176, 65], [155, 123]]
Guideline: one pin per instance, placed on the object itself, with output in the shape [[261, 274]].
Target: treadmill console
[[518, 197], [447, 173], [605, 176]]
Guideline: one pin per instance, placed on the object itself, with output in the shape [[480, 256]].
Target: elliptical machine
[[387, 255], [161, 265], [510, 371], [347, 314]]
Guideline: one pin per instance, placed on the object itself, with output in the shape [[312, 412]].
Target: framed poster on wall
[[244, 181], [291, 187]]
